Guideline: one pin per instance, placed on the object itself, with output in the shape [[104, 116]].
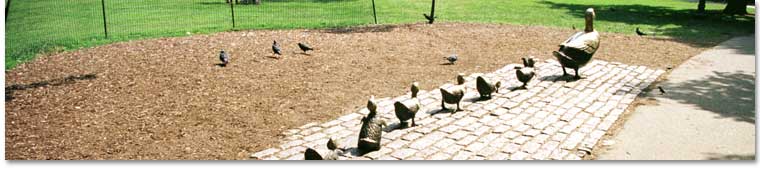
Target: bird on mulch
[[276, 48], [224, 57], [452, 58], [305, 47]]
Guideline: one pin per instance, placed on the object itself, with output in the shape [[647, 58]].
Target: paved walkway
[[550, 120], [707, 112]]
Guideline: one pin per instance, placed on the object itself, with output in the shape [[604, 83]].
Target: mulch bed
[[166, 99]]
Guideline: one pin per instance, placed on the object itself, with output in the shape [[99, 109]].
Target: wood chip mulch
[[165, 99]]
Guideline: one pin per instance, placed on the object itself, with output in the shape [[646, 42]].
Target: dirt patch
[[166, 98]]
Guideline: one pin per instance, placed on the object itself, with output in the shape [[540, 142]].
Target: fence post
[[7, 6], [374, 13], [105, 23], [232, 8], [432, 13]]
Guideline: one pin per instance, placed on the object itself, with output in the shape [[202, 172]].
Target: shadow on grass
[[689, 28], [240, 2], [716, 156], [729, 94], [362, 29], [53, 82], [314, 1]]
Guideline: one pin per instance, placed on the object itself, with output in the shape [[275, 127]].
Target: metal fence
[[33, 26]]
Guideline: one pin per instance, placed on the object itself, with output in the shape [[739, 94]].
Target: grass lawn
[[39, 26]]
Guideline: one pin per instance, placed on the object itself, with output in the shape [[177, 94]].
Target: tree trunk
[[736, 7], [701, 6]]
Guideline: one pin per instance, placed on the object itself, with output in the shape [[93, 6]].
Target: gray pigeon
[[224, 57], [276, 48], [305, 47], [452, 58]]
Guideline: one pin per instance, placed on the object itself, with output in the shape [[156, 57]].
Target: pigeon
[[452, 58], [276, 48], [305, 47], [639, 32], [224, 57]]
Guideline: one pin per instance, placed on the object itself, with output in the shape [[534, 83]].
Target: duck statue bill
[[576, 51]]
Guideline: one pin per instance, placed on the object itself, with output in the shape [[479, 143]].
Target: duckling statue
[[312, 154], [333, 154], [485, 88], [408, 109], [576, 51], [526, 73], [454, 94], [371, 130]]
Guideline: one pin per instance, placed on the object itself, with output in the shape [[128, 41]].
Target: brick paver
[[551, 120]]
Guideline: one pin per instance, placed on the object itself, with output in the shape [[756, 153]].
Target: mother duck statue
[[576, 51]]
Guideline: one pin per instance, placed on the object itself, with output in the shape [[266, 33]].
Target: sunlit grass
[[43, 25]]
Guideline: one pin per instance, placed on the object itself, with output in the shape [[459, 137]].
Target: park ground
[[166, 98]]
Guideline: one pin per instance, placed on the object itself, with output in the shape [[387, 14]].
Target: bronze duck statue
[[527, 72], [486, 88], [408, 109], [453, 95], [576, 51], [333, 154], [371, 129]]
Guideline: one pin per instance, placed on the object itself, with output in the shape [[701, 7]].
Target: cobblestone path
[[552, 120]]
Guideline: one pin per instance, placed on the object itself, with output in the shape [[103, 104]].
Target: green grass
[[40, 26]]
